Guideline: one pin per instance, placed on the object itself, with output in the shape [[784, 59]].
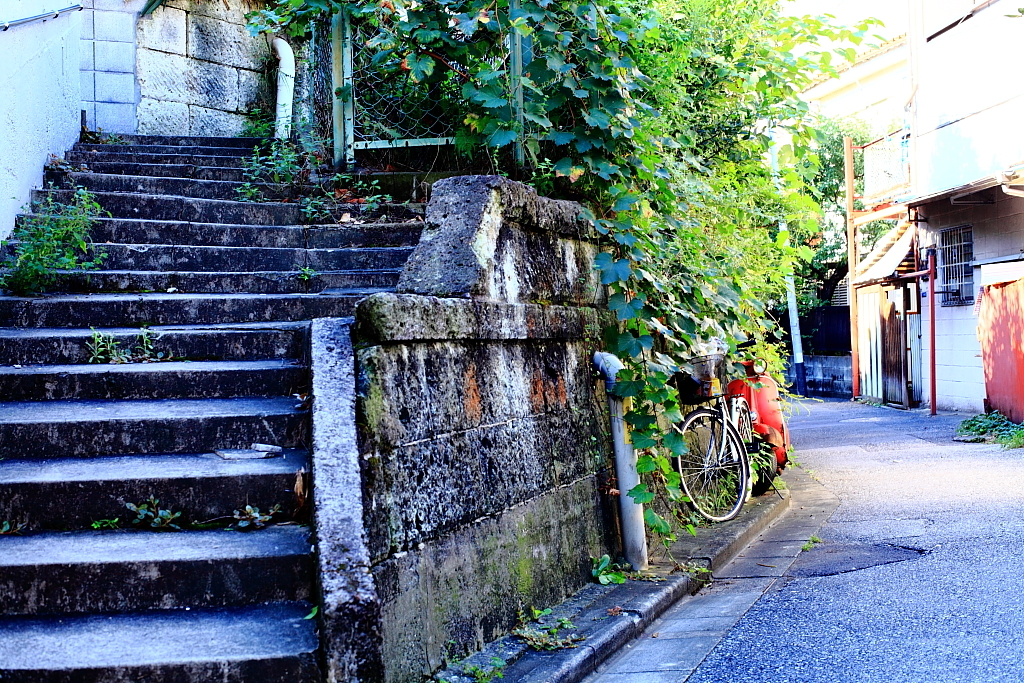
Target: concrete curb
[[641, 603]]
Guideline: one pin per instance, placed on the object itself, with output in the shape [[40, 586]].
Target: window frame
[[956, 269]]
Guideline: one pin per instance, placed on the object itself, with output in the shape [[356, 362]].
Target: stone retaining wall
[[198, 69], [483, 441]]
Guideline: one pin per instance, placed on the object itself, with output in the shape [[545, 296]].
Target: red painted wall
[[1001, 331]]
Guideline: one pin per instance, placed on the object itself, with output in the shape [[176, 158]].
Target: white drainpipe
[[285, 87], [634, 535]]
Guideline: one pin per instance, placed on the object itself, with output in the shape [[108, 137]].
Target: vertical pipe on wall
[[851, 262], [931, 327], [634, 534]]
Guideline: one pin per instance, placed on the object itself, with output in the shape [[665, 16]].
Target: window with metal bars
[[956, 274]]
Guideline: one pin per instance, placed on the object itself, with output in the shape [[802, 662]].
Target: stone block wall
[[482, 435], [107, 54], [199, 70]]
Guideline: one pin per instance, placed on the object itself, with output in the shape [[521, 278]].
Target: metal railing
[[40, 17], [886, 167]]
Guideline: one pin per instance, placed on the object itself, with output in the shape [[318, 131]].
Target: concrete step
[[331, 236], [236, 175], [233, 341], [267, 643], [136, 310], [144, 184], [174, 208], [203, 150], [191, 209], [270, 282], [77, 429], [173, 257], [112, 153], [193, 141], [167, 379], [118, 571], [72, 493]]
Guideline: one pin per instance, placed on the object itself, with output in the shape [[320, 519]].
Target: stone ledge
[[386, 317]]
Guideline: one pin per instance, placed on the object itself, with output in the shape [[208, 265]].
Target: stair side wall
[[39, 102], [483, 445]]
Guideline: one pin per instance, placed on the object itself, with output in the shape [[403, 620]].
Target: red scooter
[[757, 414]]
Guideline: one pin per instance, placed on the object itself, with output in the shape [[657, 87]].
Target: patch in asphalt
[[829, 559]]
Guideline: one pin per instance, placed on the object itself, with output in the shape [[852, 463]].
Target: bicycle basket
[[705, 382]]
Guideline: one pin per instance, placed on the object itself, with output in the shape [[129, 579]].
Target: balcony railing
[[886, 168]]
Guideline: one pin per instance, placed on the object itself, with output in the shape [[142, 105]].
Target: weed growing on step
[[541, 635], [293, 169], [98, 137], [810, 544], [104, 348], [486, 674], [605, 571], [249, 518], [11, 528], [55, 238], [114, 523], [306, 273], [258, 124], [152, 516]]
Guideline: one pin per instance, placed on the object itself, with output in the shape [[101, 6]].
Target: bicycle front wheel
[[714, 468]]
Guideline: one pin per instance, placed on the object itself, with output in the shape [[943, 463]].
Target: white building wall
[[967, 96], [960, 379], [40, 100]]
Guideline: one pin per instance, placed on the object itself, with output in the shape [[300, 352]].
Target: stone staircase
[[220, 286]]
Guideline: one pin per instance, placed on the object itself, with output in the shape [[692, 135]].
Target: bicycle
[[714, 469]]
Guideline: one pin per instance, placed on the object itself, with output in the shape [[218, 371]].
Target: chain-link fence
[[886, 168]]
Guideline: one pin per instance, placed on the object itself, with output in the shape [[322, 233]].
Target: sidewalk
[[675, 644]]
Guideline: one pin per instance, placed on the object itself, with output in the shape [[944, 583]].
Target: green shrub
[[55, 238], [994, 424]]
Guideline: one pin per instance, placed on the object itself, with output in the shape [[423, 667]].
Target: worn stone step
[[175, 208], [333, 236], [270, 643], [166, 379], [193, 141], [238, 259], [89, 157], [68, 572], [202, 150], [236, 175], [270, 282], [140, 184], [72, 493], [136, 310], [232, 341], [76, 429]]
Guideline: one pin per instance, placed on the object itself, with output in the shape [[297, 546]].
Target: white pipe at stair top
[[285, 87]]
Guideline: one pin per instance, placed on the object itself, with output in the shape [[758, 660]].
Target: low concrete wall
[[827, 376], [483, 440], [39, 100]]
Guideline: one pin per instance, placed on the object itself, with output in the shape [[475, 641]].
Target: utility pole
[[852, 259], [794, 312]]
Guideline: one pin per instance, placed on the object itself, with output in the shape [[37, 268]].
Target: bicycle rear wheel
[[714, 469]]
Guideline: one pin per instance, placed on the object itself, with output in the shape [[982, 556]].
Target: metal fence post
[[342, 86], [516, 75]]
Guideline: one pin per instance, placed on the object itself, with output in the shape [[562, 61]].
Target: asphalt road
[[919, 578], [950, 610]]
